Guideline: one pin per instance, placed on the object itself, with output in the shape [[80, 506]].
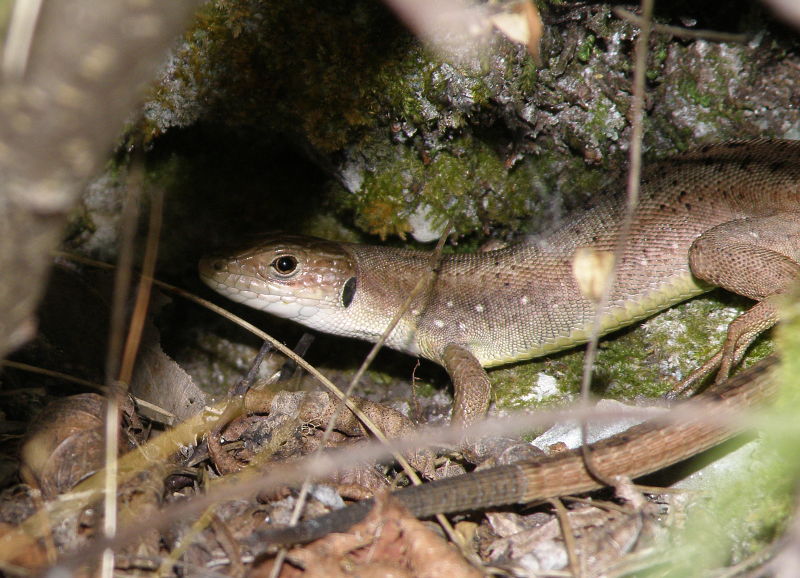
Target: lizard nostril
[[211, 266]]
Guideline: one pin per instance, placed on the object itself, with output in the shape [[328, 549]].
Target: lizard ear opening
[[349, 291]]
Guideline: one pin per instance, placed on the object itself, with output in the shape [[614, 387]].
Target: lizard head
[[309, 280]]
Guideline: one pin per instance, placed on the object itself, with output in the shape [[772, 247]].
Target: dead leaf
[[64, 444], [522, 23], [459, 28], [316, 408], [602, 537], [388, 542], [591, 269], [159, 380], [28, 552]]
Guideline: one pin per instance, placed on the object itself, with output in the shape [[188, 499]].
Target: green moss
[[606, 121], [285, 65], [646, 360], [424, 389], [452, 177], [528, 80], [709, 101], [381, 209], [688, 87], [586, 48], [517, 386], [80, 223], [470, 188], [658, 56], [404, 85]]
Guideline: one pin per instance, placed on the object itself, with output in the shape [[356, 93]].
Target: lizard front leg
[[757, 257], [471, 387]]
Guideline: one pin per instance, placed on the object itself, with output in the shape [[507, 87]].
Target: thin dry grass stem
[[123, 273], [659, 490], [229, 545], [121, 357], [19, 39], [46, 529], [51, 373], [116, 389], [711, 35], [234, 404], [144, 288], [187, 539], [169, 417], [243, 385], [569, 537], [642, 561], [280, 556], [631, 202]]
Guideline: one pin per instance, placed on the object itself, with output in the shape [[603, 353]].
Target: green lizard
[[724, 215]]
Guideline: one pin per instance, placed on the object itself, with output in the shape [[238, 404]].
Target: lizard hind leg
[[741, 334], [756, 257]]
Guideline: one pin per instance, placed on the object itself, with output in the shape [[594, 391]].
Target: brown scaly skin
[[724, 215]]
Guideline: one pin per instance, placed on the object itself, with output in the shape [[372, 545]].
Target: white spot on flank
[[524, 300], [479, 308], [461, 326], [415, 312], [449, 303], [438, 323]]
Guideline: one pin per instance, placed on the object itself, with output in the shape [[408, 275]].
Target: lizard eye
[[285, 265]]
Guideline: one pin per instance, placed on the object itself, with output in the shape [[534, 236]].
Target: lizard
[[724, 215]]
